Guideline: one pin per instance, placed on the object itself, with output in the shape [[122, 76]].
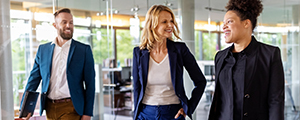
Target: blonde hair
[[149, 36]]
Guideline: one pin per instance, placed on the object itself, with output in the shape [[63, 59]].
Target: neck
[[160, 46], [242, 44], [60, 41]]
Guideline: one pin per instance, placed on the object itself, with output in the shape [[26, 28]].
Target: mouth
[[227, 33], [168, 31], [68, 31]]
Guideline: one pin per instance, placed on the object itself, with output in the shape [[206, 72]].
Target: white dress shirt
[[159, 89], [58, 81]]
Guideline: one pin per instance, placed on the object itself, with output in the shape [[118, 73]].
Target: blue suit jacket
[[179, 56], [80, 72]]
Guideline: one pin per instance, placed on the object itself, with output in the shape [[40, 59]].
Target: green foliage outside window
[[18, 64], [102, 48], [209, 45], [271, 39], [124, 46]]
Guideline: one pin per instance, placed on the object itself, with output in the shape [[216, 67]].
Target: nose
[[224, 26], [170, 24], [68, 25]]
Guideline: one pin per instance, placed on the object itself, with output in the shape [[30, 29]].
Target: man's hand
[[180, 112], [85, 117], [27, 118]]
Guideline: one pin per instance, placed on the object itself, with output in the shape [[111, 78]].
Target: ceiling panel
[[274, 10]]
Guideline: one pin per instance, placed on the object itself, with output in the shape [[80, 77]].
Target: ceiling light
[[116, 11], [135, 9], [168, 4]]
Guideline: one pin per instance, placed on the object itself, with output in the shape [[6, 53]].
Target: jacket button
[[245, 114], [247, 96], [178, 95]]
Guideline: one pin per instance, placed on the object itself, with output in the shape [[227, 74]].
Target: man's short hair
[[64, 10]]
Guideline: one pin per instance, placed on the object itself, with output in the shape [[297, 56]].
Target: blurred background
[[113, 28]]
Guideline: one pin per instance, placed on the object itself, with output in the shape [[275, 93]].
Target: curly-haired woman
[[249, 74]]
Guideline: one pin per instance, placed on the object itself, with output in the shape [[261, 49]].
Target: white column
[[186, 14], [295, 57], [6, 87]]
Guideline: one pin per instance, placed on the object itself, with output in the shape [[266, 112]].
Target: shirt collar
[[251, 48], [67, 43]]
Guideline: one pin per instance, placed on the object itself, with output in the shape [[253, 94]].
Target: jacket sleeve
[[197, 77], [136, 82], [276, 88], [213, 107], [34, 77], [89, 78]]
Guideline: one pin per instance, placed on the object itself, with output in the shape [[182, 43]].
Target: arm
[[89, 78], [136, 82], [276, 88], [197, 77]]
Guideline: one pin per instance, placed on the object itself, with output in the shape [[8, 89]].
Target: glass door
[[93, 21]]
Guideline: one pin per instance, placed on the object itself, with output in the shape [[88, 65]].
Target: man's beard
[[66, 36]]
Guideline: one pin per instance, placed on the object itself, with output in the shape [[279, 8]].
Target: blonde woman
[[158, 70]]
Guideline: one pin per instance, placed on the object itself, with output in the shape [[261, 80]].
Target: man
[[66, 68]]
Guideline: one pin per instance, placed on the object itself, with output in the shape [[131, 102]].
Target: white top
[[58, 81], [159, 89]]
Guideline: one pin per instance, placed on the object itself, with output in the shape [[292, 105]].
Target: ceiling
[[275, 11]]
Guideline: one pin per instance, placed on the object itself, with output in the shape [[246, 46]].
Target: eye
[[229, 21], [164, 21]]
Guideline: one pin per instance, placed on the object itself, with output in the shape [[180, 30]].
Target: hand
[[180, 112], [85, 117], [27, 118]]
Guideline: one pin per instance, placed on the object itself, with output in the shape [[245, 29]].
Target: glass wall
[[112, 28]]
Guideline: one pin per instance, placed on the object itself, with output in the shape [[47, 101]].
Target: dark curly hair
[[246, 9]]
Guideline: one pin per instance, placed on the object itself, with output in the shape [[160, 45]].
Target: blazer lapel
[[52, 46], [220, 63], [71, 51], [250, 71], [252, 54], [144, 62], [173, 60]]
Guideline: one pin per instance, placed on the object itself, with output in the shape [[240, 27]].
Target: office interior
[[113, 28]]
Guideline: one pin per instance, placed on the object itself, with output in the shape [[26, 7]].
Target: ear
[[247, 23], [54, 24]]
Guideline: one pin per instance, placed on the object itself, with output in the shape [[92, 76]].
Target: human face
[[164, 28], [233, 28], [64, 25]]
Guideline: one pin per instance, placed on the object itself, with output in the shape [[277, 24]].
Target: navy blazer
[[179, 56], [80, 73], [263, 83]]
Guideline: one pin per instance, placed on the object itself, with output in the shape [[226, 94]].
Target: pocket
[[140, 117], [181, 117]]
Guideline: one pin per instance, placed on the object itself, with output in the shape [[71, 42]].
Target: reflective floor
[[125, 114]]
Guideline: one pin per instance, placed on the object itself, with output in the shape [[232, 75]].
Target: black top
[[263, 84], [231, 83]]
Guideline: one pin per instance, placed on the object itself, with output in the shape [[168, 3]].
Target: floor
[[125, 114]]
